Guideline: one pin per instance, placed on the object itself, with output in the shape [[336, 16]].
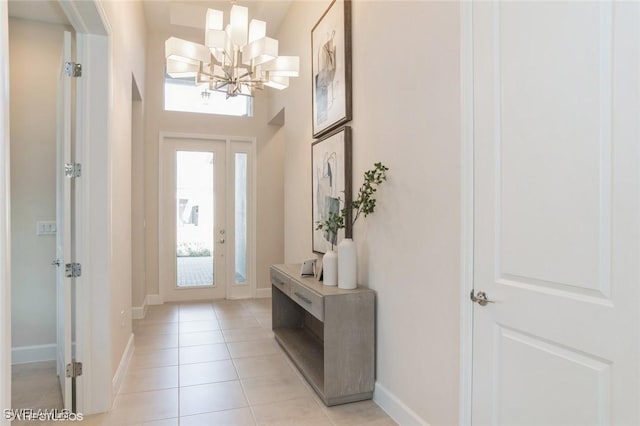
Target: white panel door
[[63, 225], [556, 213]]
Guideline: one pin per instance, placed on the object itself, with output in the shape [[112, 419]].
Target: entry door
[[193, 230], [63, 224], [556, 216]]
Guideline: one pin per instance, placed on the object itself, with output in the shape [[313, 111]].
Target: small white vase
[[347, 264], [330, 268]]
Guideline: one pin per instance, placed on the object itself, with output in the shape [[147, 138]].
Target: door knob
[[481, 298], [56, 262]]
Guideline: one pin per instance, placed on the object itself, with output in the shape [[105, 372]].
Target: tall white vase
[[330, 268], [347, 264]]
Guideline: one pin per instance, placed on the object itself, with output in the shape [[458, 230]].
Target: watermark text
[[43, 415]]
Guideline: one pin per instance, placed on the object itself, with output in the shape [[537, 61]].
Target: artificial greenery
[[364, 204], [330, 226]]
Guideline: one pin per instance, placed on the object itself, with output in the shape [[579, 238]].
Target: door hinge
[[72, 270], [74, 369], [72, 69], [73, 170]]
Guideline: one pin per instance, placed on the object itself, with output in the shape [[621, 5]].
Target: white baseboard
[[262, 293], [153, 299], [395, 408], [37, 353], [138, 312], [118, 378]]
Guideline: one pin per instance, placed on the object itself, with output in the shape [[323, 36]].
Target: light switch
[[46, 227]]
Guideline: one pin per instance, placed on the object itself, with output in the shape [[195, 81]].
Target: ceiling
[[43, 10], [157, 14]]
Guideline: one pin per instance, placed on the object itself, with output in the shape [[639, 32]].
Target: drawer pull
[[275, 281], [304, 299]]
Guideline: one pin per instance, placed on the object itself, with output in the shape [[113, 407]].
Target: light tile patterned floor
[[210, 364]]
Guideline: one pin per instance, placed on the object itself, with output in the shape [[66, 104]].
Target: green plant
[[330, 226], [364, 204], [192, 249]]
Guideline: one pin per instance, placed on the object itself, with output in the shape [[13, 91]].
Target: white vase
[[347, 264], [330, 268]]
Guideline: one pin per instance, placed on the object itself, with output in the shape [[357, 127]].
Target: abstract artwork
[[331, 181], [331, 68]]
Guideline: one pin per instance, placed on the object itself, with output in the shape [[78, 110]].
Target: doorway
[[206, 209], [92, 215], [42, 323]]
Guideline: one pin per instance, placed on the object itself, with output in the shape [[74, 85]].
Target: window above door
[[182, 94]]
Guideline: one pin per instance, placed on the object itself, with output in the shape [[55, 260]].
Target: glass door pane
[[194, 218], [241, 218]]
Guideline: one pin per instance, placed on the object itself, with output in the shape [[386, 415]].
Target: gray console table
[[328, 333]]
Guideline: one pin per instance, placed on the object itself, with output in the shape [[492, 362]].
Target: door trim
[[5, 218], [466, 214], [251, 255], [93, 201]]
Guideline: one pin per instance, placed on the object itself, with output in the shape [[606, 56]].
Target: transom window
[[182, 94]]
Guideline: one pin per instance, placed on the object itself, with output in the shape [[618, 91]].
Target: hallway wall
[[127, 62], [406, 114]]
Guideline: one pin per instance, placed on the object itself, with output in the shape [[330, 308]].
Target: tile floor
[[202, 364]]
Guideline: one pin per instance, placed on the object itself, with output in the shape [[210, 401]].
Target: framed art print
[[331, 181], [331, 68]]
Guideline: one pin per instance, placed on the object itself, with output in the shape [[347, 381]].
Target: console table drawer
[[280, 281], [310, 301]]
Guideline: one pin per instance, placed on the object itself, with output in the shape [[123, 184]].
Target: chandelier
[[234, 60]]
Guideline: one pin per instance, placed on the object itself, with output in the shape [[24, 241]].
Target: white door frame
[[251, 254], [93, 199], [5, 219], [466, 214]]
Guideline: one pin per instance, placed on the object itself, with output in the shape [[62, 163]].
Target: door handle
[[221, 241], [56, 262], [481, 299]]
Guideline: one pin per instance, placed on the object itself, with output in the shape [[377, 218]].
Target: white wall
[[406, 109], [35, 54], [269, 159], [127, 62]]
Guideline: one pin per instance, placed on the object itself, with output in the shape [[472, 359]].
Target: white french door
[[205, 219], [556, 213], [64, 241]]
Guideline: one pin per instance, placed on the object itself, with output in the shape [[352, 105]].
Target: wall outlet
[[46, 227]]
